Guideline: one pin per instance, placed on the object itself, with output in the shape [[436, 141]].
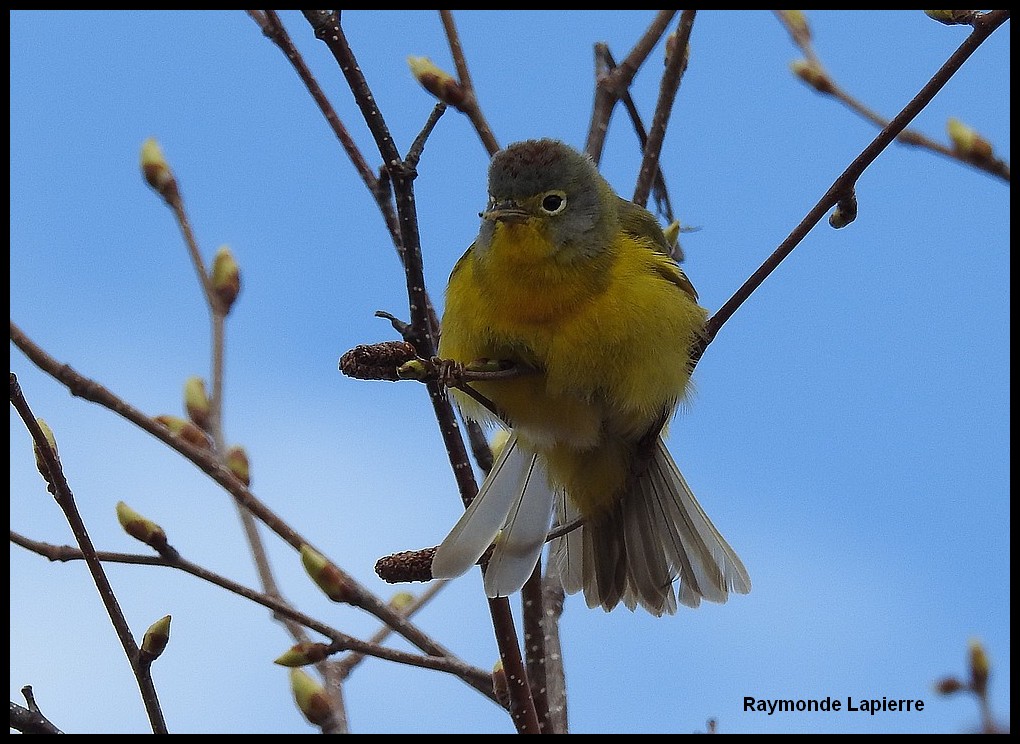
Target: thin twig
[[556, 683], [610, 85], [274, 30], [30, 720], [676, 63], [58, 486], [347, 664], [340, 641], [822, 82], [470, 105], [418, 146], [659, 191], [533, 622], [845, 183]]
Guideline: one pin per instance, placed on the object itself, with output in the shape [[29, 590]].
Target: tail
[[653, 534], [513, 509]]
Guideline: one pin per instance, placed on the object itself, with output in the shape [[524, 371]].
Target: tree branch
[[52, 471], [844, 185]]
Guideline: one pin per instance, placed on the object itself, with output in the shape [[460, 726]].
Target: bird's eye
[[554, 202]]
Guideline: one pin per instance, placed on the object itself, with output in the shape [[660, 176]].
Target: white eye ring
[[554, 202]]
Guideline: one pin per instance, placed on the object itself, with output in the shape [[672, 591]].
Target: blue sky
[[850, 434]]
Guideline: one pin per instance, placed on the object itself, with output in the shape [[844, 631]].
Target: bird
[[574, 288]]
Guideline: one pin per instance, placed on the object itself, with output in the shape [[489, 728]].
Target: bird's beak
[[506, 210]]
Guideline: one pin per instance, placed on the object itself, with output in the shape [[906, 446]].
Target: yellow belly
[[610, 339]]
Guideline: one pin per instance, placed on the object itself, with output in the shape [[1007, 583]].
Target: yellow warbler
[[574, 286]]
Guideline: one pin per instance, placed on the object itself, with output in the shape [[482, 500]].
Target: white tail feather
[[482, 520], [520, 542]]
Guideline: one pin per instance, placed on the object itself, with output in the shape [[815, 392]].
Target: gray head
[[555, 184]]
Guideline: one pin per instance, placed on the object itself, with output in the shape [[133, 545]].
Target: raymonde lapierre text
[[830, 705]]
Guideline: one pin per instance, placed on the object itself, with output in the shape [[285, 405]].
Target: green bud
[[798, 24], [979, 667], [326, 575], [844, 213], [141, 528], [226, 278], [237, 462], [401, 601], [812, 74], [310, 697], [155, 639], [157, 172], [412, 370], [186, 430], [196, 401], [39, 462], [302, 654], [967, 142], [437, 81]]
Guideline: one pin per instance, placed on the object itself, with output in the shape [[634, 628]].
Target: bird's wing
[[641, 224]]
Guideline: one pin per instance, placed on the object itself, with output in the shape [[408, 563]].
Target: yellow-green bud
[[979, 667], [798, 24], [302, 654], [401, 601], [412, 370], [155, 639], [812, 74], [952, 17], [141, 528], [237, 462], [437, 81], [39, 462], [186, 430], [326, 575], [226, 278], [157, 171], [839, 218], [967, 142], [196, 401], [500, 685], [310, 697], [845, 212]]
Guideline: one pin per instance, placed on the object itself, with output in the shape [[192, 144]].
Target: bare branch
[[814, 74], [610, 86], [844, 185], [58, 486], [469, 106], [676, 64], [339, 641]]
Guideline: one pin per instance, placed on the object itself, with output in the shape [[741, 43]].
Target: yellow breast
[[609, 335]]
